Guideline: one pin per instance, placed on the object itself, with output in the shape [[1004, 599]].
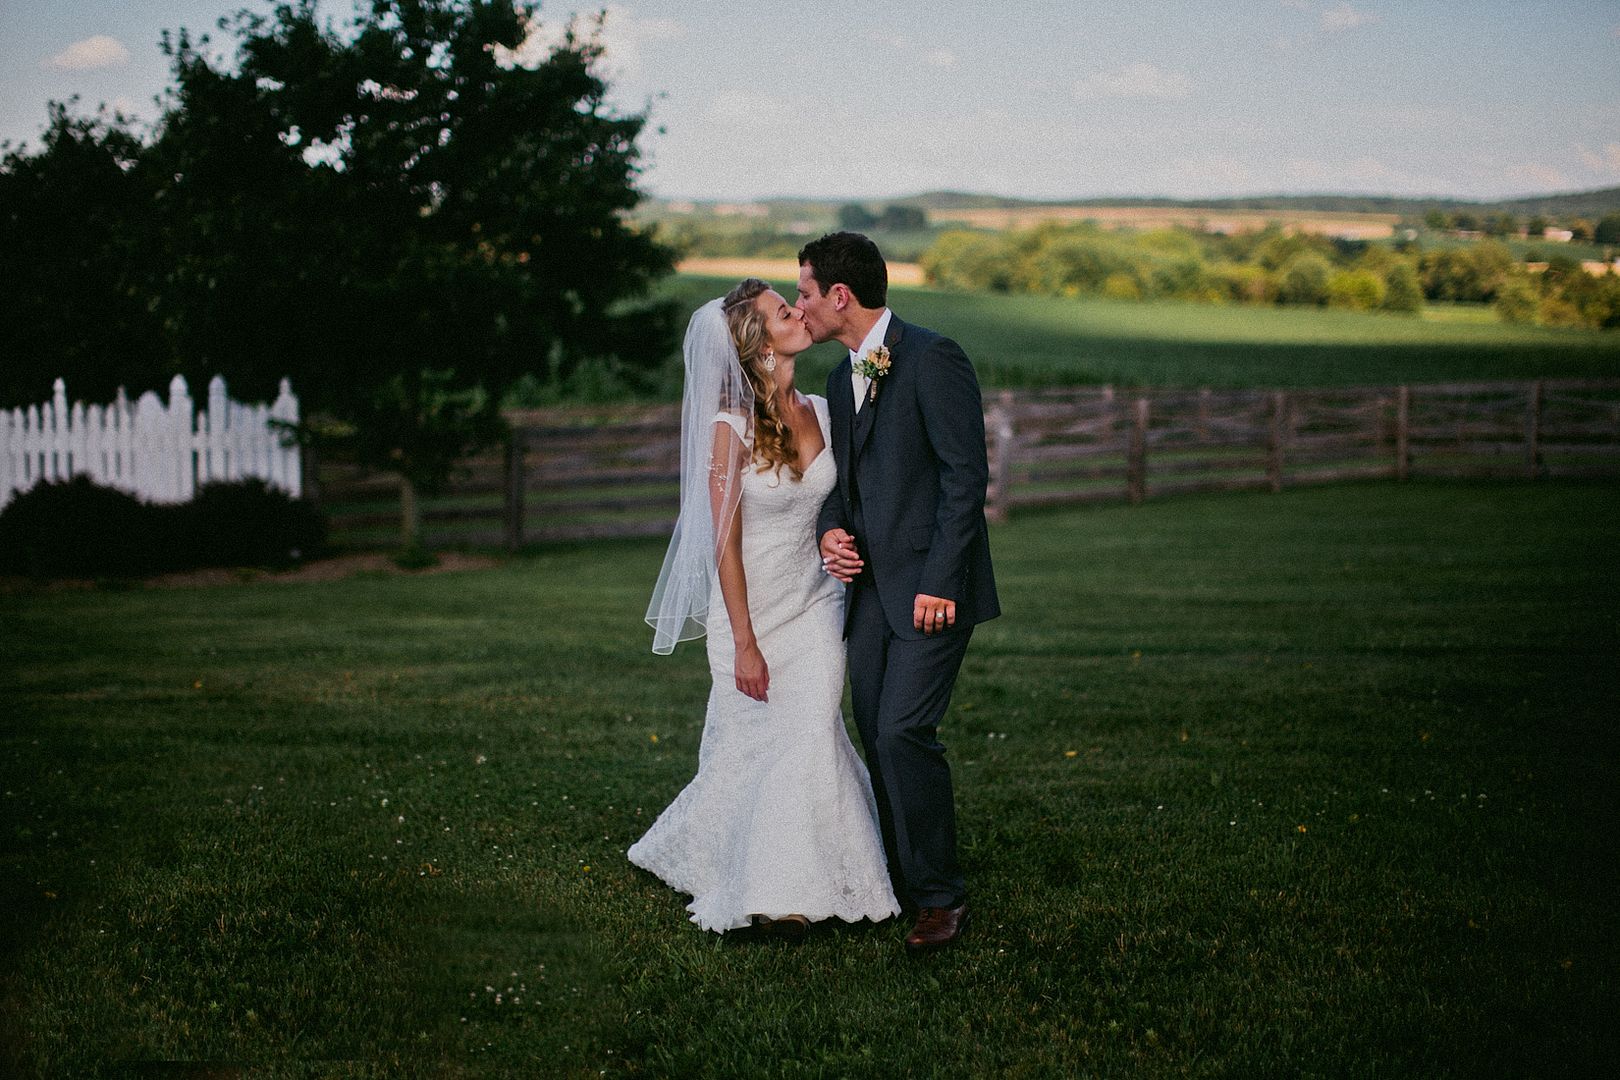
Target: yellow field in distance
[[1348, 225]]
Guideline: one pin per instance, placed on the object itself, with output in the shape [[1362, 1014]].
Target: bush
[[78, 528], [1472, 274], [249, 523], [1361, 290], [1245, 283], [1402, 289], [1121, 286], [1304, 280], [968, 260], [1517, 301], [1556, 311], [1069, 263]]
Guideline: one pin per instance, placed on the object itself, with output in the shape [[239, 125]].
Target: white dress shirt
[[874, 338]]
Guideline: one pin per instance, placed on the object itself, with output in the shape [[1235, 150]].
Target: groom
[[905, 530]]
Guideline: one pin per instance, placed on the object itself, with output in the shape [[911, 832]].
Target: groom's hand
[[838, 555], [931, 614]]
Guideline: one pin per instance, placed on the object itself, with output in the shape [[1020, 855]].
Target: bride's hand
[[839, 556], [753, 677]]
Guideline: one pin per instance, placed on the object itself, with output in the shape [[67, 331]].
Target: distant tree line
[[902, 231], [892, 218], [1269, 266], [1606, 230]]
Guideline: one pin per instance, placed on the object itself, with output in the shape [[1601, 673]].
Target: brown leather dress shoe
[[936, 927]]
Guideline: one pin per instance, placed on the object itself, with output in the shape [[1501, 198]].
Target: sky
[[1045, 99]]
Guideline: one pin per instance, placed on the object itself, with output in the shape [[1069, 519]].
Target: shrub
[[1079, 261], [1402, 289], [1468, 274], [77, 528], [1245, 283], [1361, 290], [968, 260], [1304, 280], [249, 523], [1556, 311], [1121, 286], [1607, 231], [1517, 301], [1183, 278]]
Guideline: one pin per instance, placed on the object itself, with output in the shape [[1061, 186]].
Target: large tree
[[74, 270], [404, 214], [407, 218]]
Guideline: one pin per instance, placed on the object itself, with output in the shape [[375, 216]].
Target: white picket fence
[[156, 452]]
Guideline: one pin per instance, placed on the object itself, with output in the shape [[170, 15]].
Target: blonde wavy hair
[[773, 439]]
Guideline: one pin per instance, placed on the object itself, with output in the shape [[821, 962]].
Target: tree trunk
[[410, 515]]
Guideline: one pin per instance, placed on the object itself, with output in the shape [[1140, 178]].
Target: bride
[[779, 827]]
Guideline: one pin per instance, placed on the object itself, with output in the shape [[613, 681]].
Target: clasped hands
[[839, 557]]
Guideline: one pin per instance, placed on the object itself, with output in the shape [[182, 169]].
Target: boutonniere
[[874, 365]]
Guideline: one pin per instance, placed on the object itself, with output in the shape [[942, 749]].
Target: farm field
[[1360, 226], [1025, 341], [1311, 784]]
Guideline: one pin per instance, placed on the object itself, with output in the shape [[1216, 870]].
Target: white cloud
[[942, 58], [1345, 17], [1605, 161], [100, 51], [623, 36], [1297, 5], [1133, 81]]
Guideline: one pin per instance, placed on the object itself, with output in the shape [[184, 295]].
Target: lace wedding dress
[[780, 818]]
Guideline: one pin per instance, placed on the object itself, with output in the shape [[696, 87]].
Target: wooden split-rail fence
[[582, 474]]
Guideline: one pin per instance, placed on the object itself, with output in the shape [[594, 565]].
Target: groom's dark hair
[[850, 259]]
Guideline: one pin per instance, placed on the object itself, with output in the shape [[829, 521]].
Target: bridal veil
[[717, 424]]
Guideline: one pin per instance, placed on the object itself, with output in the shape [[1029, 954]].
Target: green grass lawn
[[1040, 341], [1315, 784]]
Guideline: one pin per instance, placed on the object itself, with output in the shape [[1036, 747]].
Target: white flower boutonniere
[[874, 365]]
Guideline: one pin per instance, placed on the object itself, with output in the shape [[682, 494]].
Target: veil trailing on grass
[[717, 438]]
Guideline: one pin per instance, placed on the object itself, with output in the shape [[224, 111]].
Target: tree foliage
[[75, 264], [398, 214]]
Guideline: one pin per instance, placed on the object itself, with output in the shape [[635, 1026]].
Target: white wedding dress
[[780, 818]]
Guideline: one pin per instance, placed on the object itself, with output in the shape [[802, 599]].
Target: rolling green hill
[[1020, 341]]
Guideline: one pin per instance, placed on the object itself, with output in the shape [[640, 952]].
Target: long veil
[[717, 437]]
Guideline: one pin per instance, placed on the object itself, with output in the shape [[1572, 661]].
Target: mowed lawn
[[1315, 784], [1020, 341]]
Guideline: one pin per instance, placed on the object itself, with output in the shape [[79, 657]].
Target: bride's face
[[784, 324]]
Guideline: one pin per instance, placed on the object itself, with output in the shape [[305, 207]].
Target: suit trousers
[[899, 689]]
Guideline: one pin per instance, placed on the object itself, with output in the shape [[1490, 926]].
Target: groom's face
[[821, 315]]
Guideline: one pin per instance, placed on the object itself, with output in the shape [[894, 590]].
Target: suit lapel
[[841, 408], [866, 419]]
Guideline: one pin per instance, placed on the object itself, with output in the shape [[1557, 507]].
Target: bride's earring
[[769, 363]]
